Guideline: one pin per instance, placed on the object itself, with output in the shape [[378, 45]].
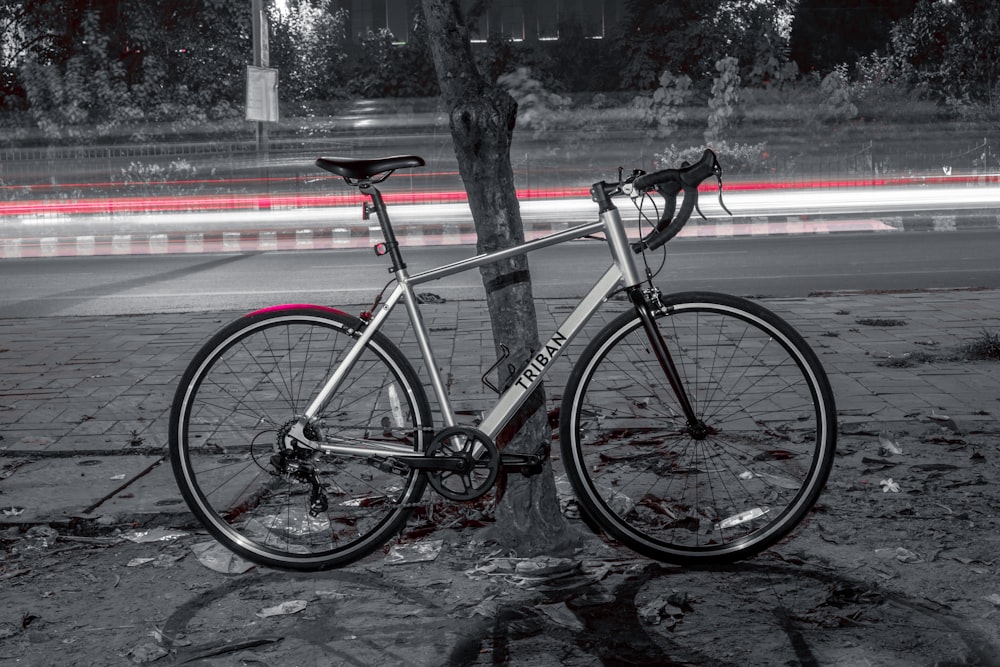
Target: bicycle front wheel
[[708, 495], [296, 508]]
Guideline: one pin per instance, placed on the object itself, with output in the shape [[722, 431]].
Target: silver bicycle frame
[[622, 273]]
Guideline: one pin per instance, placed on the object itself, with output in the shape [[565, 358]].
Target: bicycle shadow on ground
[[763, 612]]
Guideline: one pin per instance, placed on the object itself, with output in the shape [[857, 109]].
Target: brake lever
[[626, 185], [718, 177]]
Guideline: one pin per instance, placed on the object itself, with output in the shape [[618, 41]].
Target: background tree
[[827, 33], [87, 88], [952, 49], [18, 32], [482, 117], [756, 34], [663, 110], [385, 68], [309, 48], [574, 62], [677, 36], [194, 52], [723, 105], [104, 62]]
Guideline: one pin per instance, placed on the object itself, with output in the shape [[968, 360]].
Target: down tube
[[535, 370]]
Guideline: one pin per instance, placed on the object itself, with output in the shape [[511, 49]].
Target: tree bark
[[482, 117]]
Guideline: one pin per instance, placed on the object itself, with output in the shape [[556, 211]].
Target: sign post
[[262, 80]]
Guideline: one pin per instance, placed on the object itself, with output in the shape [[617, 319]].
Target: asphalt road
[[774, 266]]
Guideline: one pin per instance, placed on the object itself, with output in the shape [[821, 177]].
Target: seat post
[[392, 246]]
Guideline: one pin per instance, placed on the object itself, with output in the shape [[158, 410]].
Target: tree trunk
[[482, 117]]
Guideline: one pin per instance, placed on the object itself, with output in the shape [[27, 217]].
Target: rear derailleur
[[295, 462]]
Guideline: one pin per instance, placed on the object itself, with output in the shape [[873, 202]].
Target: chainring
[[482, 463]]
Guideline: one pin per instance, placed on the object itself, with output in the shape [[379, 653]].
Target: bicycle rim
[[649, 483], [300, 509]]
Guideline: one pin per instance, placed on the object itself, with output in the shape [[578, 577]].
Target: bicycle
[[695, 427]]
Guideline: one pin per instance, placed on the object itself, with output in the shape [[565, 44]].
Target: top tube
[[483, 259]]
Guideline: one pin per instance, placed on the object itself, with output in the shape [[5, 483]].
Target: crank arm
[[443, 463], [526, 464]]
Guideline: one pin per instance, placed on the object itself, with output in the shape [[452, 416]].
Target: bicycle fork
[[696, 428], [621, 250]]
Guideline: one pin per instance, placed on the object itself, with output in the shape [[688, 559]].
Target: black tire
[[668, 495], [254, 378]]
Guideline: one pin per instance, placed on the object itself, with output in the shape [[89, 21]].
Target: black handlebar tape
[[669, 193], [693, 174], [664, 233], [669, 182], [647, 182]]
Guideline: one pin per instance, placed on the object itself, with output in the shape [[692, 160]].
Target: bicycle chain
[[430, 491], [425, 501]]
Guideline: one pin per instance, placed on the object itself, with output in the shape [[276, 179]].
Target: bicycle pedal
[[526, 464]]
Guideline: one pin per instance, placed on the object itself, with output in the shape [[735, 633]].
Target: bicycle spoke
[[289, 504], [735, 488]]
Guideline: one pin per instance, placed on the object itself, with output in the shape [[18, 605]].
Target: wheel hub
[[701, 430]]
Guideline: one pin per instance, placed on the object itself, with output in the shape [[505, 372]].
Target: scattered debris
[[161, 560], [486, 608], [429, 297], [889, 486], [542, 572], [284, 609], [145, 653], [887, 445], [153, 535], [907, 556], [196, 654], [38, 540], [162, 637], [216, 557], [419, 552], [7, 630], [666, 609], [562, 615], [880, 322]]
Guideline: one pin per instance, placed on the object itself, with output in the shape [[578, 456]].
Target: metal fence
[[540, 163]]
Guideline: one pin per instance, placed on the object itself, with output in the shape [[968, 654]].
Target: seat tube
[[424, 343], [392, 246]]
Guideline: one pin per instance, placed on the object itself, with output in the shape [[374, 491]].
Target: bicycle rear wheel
[[296, 508], [683, 498]]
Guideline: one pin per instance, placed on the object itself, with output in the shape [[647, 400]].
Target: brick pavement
[[84, 401]]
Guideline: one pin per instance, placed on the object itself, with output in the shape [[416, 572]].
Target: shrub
[[837, 105], [735, 158], [535, 104], [86, 92], [663, 109], [723, 105]]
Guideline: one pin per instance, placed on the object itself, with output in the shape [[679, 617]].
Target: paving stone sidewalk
[[84, 401]]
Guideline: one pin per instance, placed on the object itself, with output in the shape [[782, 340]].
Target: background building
[[520, 20]]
